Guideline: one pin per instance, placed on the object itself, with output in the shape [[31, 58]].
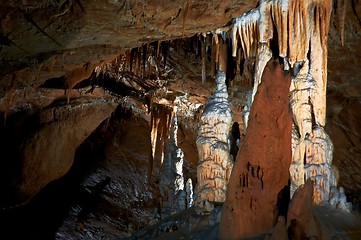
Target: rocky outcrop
[[49, 152], [215, 164], [261, 169]]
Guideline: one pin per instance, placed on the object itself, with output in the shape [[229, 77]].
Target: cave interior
[[153, 119]]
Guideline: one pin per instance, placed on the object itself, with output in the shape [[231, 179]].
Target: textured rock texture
[[261, 168], [215, 163]]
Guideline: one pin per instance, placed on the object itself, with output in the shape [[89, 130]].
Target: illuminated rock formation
[[215, 164], [261, 169], [309, 21], [304, 50], [171, 182]]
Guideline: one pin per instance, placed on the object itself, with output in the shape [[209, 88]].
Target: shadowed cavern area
[[153, 119]]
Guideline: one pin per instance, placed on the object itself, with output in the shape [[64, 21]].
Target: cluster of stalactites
[[142, 61], [216, 43], [294, 21], [161, 116]]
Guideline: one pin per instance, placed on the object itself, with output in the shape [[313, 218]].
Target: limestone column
[[215, 164], [171, 181]]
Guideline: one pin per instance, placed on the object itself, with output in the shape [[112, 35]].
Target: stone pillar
[[171, 182], [261, 168], [215, 164]]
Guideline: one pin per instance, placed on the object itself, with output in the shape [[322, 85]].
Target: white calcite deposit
[[215, 164]]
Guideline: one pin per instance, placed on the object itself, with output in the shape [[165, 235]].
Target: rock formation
[[261, 169], [160, 123], [171, 182], [310, 23], [215, 164]]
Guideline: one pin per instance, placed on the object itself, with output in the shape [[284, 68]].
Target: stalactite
[[131, 61], [158, 49], [161, 116], [203, 56], [213, 56], [341, 14], [223, 55], [280, 18], [298, 39], [165, 53], [136, 61], [265, 22], [238, 61], [139, 62], [145, 52], [247, 27], [216, 42]]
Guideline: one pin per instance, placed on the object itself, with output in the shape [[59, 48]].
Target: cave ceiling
[[40, 40]]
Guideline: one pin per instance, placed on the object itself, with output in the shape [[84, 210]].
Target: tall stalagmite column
[[261, 169], [171, 182], [215, 164]]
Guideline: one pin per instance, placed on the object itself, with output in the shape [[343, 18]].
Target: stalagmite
[[189, 191], [263, 56], [261, 169], [171, 181], [215, 163]]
